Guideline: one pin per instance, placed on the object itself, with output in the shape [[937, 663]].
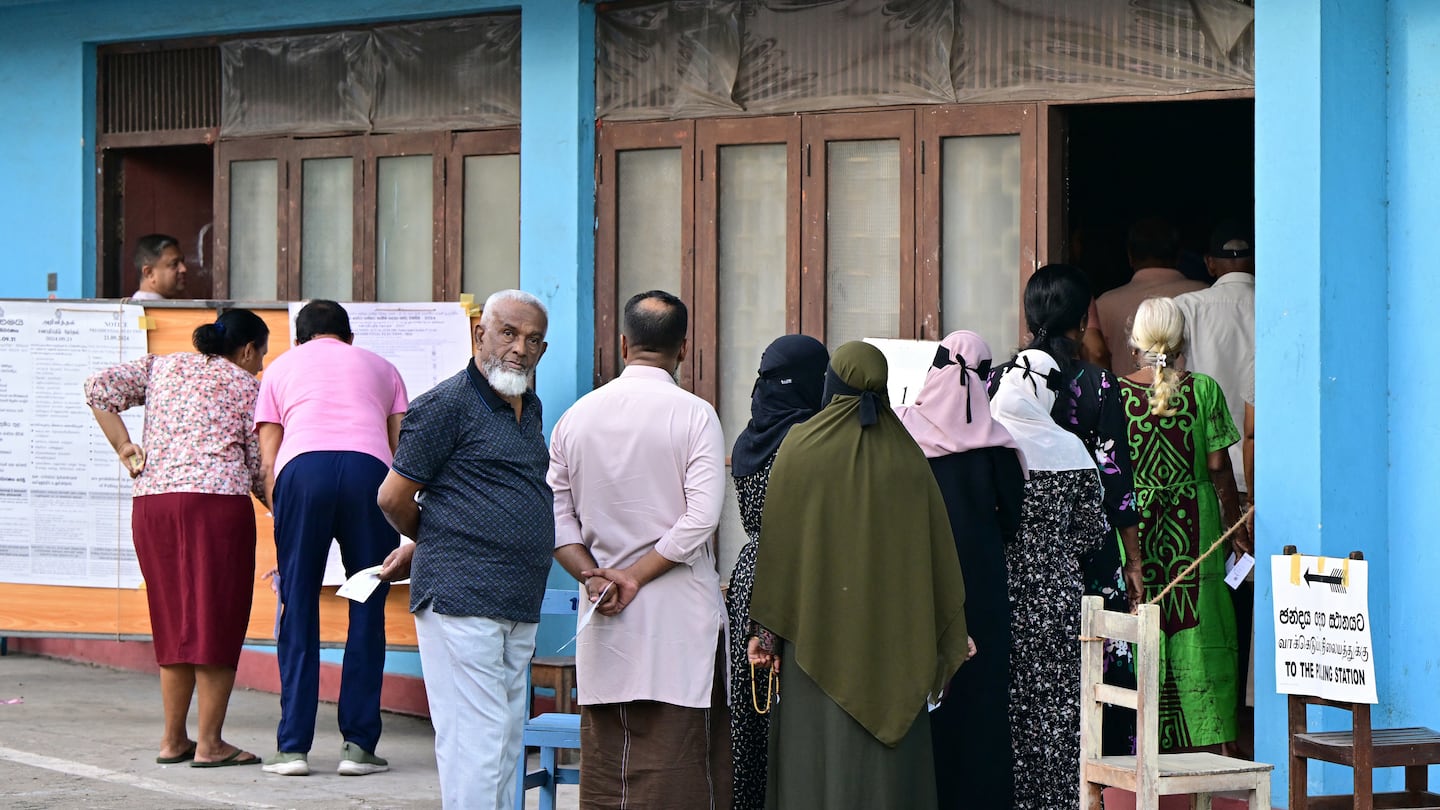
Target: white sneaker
[[356, 761], [287, 763]]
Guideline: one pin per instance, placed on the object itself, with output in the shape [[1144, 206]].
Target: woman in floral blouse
[[192, 521]]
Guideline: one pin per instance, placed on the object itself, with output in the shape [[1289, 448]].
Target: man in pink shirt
[[637, 467], [1152, 247], [329, 418]]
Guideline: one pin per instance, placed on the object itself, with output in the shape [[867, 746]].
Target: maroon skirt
[[197, 555]]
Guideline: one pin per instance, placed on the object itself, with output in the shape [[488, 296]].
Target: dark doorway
[[1191, 162], [163, 189]]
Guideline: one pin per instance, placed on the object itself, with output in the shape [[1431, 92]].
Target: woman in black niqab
[[787, 392]]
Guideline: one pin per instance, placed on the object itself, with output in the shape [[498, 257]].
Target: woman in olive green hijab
[[858, 577]]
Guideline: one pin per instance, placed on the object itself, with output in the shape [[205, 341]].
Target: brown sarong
[[646, 755]]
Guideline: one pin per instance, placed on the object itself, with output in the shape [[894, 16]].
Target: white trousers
[[475, 671]]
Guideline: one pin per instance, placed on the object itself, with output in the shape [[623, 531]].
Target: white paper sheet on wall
[[64, 497], [909, 362]]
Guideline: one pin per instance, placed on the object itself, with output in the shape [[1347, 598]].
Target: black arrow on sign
[[1330, 580]]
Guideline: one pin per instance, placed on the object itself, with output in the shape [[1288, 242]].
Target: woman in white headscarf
[[1062, 519]]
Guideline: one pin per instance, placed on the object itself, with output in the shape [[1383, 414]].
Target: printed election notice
[[64, 498]]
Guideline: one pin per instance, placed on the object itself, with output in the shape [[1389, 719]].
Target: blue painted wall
[[47, 154], [1345, 175], [1412, 667]]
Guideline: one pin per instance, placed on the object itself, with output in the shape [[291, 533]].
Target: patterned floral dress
[[1179, 519], [749, 730], [1089, 407], [1062, 521]]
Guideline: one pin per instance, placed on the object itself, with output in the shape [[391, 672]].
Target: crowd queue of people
[[912, 575]]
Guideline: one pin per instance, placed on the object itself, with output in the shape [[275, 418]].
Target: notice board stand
[[122, 613], [1362, 748]]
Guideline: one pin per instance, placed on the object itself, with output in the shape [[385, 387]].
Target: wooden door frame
[[819, 130], [935, 125], [612, 141], [377, 147], [710, 136], [291, 287], [461, 146], [278, 150]]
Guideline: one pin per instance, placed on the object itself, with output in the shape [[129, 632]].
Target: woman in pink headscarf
[[981, 476]]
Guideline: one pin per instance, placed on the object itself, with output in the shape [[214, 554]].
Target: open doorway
[[1191, 162], [162, 189]]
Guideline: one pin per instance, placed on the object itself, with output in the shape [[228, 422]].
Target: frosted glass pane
[[327, 228], [490, 243], [648, 220], [404, 228], [254, 229], [752, 294], [980, 238], [862, 241]]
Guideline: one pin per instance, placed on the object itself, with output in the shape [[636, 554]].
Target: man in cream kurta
[[637, 467]]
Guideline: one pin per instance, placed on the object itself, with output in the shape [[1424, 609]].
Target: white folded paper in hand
[[1236, 568], [359, 587], [584, 620]]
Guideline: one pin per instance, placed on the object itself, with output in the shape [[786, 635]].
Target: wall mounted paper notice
[[428, 341], [64, 498], [909, 361]]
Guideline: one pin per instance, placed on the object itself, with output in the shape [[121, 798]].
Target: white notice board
[[1322, 628], [64, 498], [909, 362], [427, 341]]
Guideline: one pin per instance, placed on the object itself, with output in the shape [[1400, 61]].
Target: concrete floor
[[87, 736]]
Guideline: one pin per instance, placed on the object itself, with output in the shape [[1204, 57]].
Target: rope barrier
[[1196, 563]]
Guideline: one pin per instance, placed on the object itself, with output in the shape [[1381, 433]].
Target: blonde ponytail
[[1159, 334]]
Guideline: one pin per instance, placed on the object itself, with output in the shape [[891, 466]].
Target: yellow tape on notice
[[1294, 569], [146, 322]]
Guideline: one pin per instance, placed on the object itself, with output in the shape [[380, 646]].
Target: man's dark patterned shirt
[[487, 517]]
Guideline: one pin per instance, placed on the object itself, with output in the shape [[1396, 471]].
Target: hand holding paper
[[1236, 568], [589, 614], [359, 587]]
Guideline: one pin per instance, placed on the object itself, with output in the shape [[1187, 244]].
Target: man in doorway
[[1220, 326], [637, 467], [162, 268], [328, 416], [1152, 247], [473, 450]]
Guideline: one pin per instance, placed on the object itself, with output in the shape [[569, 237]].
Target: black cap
[[1230, 240]]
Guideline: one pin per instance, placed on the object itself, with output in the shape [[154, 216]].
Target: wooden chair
[[556, 672], [1364, 749], [1148, 774], [552, 732]]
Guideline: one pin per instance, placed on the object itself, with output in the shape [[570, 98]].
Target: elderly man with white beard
[[468, 484]]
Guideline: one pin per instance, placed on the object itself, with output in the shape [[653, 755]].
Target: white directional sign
[[1322, 628]]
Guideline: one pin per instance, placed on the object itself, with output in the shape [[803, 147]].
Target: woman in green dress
[[1179, 429]]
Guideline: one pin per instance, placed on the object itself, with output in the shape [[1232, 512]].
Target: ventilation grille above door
[[159, 90]]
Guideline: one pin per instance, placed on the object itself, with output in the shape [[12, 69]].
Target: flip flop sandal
[[185, 757], [238, 758]]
